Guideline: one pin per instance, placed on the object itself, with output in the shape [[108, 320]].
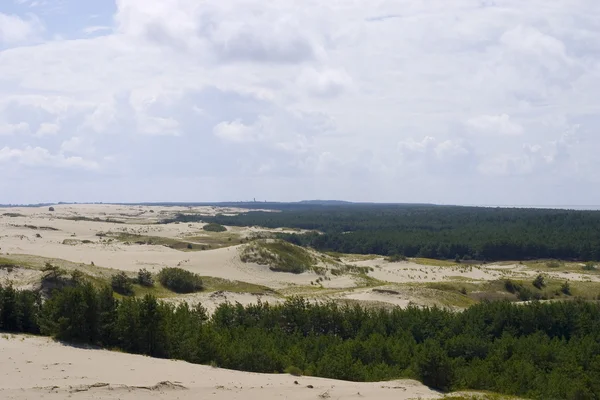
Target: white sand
[[38, 368]]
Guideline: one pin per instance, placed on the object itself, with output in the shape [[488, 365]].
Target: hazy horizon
[[446, 102], [579, 207]]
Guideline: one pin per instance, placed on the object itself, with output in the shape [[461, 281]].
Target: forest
[[443, 232], [537, 350]]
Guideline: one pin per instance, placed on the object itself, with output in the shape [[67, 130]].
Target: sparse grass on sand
[[280, 256], [130, 238], [434, 263], [216, 240], [478, 396], [561, 266], [213, 284]]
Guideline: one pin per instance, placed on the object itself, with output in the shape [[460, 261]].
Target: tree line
[[545, 351], [444, 232]]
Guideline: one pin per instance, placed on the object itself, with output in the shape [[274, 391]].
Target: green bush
[[566, 288], [212, 227], [180, 281], [590, 266], [121, 284], [511, 287], [396, 257], [280, 256], [145, 278], [539, 282], [295, 371]]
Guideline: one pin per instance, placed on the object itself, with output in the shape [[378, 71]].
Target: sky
[[437, 101]]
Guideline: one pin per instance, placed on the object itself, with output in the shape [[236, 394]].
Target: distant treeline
[[434, 231], [544, 351]]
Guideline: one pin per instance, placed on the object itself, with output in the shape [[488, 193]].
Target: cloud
[[352, 100], [324, 83], [40, 157], [234, 131], [495, 125], [10, 129], [91, 30], [14, 29], [48, 129]]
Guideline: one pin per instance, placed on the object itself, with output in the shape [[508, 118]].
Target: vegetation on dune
[[131, 238], [212, 227], [95, 219], [542, 351], [213, 284], [440, 232], [144, 278], [12, 215], [122, 284], [280, 256], [180, 281]]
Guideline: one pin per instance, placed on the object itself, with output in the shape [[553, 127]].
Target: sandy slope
[[16, 238], [38, 368]]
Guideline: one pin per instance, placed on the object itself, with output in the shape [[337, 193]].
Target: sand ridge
[[35, 367]]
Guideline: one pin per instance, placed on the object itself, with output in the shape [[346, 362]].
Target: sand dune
[[39, 368]]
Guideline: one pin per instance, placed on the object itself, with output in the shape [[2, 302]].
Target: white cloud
[[495, 125], [10, 129], [14, 29], [234, 131], [90, 30], [40, 157], [47, 128], [325, 83], [73, 145], [384, 92]]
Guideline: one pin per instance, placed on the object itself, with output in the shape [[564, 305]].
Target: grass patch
[[95, 219], [212, 284], [75, 242], [213, 227], [130, 238], [216, 240], [478, 396], [280, 256], [434, 263], [158, 290], [355, 257], [12, 215]]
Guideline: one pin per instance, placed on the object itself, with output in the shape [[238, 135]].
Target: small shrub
[[566, 288], [50, 209], [553, 264], [144, 278], [539, 282], [213, 227], [590, 266], [121, 284], [52, 272], [295, 371], [510, 286], [396, 257], [524, 294], [180, 281]]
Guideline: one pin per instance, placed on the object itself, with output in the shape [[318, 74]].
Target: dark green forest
[[544, 351], [443, 232]]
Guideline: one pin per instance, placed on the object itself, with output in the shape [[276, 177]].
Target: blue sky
[[463, 101]]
